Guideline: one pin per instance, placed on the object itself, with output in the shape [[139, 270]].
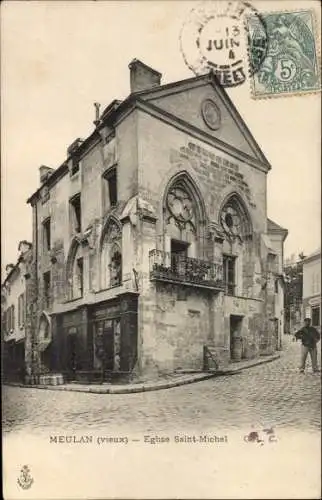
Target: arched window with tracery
[[235, 219], [236, 224], [75, 271], [111, 255], [183, 222]]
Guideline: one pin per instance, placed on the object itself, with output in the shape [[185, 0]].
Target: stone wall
[[216, 173], [175, 329]]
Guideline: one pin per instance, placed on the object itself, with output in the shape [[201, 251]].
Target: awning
[[10, 340], [43, 344], [20, 340]]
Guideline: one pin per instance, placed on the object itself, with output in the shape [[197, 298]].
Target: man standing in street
[[309, 337]]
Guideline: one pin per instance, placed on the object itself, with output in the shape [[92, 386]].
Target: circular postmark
[[216, 37]]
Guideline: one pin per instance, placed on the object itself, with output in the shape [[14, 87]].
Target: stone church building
[[152, 247]]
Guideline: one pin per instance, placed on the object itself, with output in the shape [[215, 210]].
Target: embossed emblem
[[211, 114], [25, 479]]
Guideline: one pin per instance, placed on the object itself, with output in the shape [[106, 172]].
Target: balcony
[[175, 268]]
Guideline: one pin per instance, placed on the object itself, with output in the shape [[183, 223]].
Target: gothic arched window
[[183, 217], [237, 226], [111, 255], [235, 219]]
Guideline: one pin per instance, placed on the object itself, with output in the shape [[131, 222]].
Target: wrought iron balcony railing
[[165, 266]]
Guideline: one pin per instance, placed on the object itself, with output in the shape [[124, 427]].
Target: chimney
[[44, 173], [74, 146], [142, 77], [24, 246], [9, 268]]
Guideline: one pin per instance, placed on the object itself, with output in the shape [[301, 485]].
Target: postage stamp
[[213, 37], [291, 64]]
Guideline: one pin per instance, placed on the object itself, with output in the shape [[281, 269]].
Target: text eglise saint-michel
[[146, 439]]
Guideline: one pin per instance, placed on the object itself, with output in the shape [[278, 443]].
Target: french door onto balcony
[[179, 253]]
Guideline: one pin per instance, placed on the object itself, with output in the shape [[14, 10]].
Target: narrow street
[[273, 394]]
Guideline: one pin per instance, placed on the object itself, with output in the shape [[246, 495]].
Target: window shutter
[[23, 308], [5, 321], [19, 302], [13, 317]]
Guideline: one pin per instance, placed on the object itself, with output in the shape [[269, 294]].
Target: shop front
[[13, 360], [97, 342]]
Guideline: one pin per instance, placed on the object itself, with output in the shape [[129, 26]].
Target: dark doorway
[[108, 343], [46, 356], [71, 354], [236, 341], [104, 343], [276, 334], [179, 253]]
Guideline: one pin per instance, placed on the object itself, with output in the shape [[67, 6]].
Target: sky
[[58, 58]]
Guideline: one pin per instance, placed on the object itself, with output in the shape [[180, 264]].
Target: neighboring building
[[312, 288], [293, 297], [277, 235], [152, 247], [14, 301]]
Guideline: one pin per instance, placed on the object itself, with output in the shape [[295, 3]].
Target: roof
[[313, 255], [116, 107], [272, 227], [15, 266]]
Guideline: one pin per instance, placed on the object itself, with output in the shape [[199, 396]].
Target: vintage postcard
[[161, 259]]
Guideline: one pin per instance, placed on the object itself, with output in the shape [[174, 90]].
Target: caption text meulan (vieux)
[[145, 439]]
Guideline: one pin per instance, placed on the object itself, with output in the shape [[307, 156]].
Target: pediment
[[203, 104]]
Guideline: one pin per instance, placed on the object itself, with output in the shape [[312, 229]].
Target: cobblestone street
[[273, 394]]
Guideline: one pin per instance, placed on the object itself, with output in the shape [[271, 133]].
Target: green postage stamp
[[291, 64]]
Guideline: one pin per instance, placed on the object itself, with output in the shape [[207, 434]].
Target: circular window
[[211, 114], [231, 221]]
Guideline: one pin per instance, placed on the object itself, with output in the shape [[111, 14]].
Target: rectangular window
[[5, 324], [111, 179], [8, 320], [229, 264], [21, 310], [276, 286], [313, 284], [47, 289], [76, 213], [80, 275], [75, 165], [46, 234], [315, 316]]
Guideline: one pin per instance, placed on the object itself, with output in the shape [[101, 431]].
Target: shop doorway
[[71, 354], [236, 341], [107, 344]]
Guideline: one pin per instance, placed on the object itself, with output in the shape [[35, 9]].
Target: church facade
[[152, 247]]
